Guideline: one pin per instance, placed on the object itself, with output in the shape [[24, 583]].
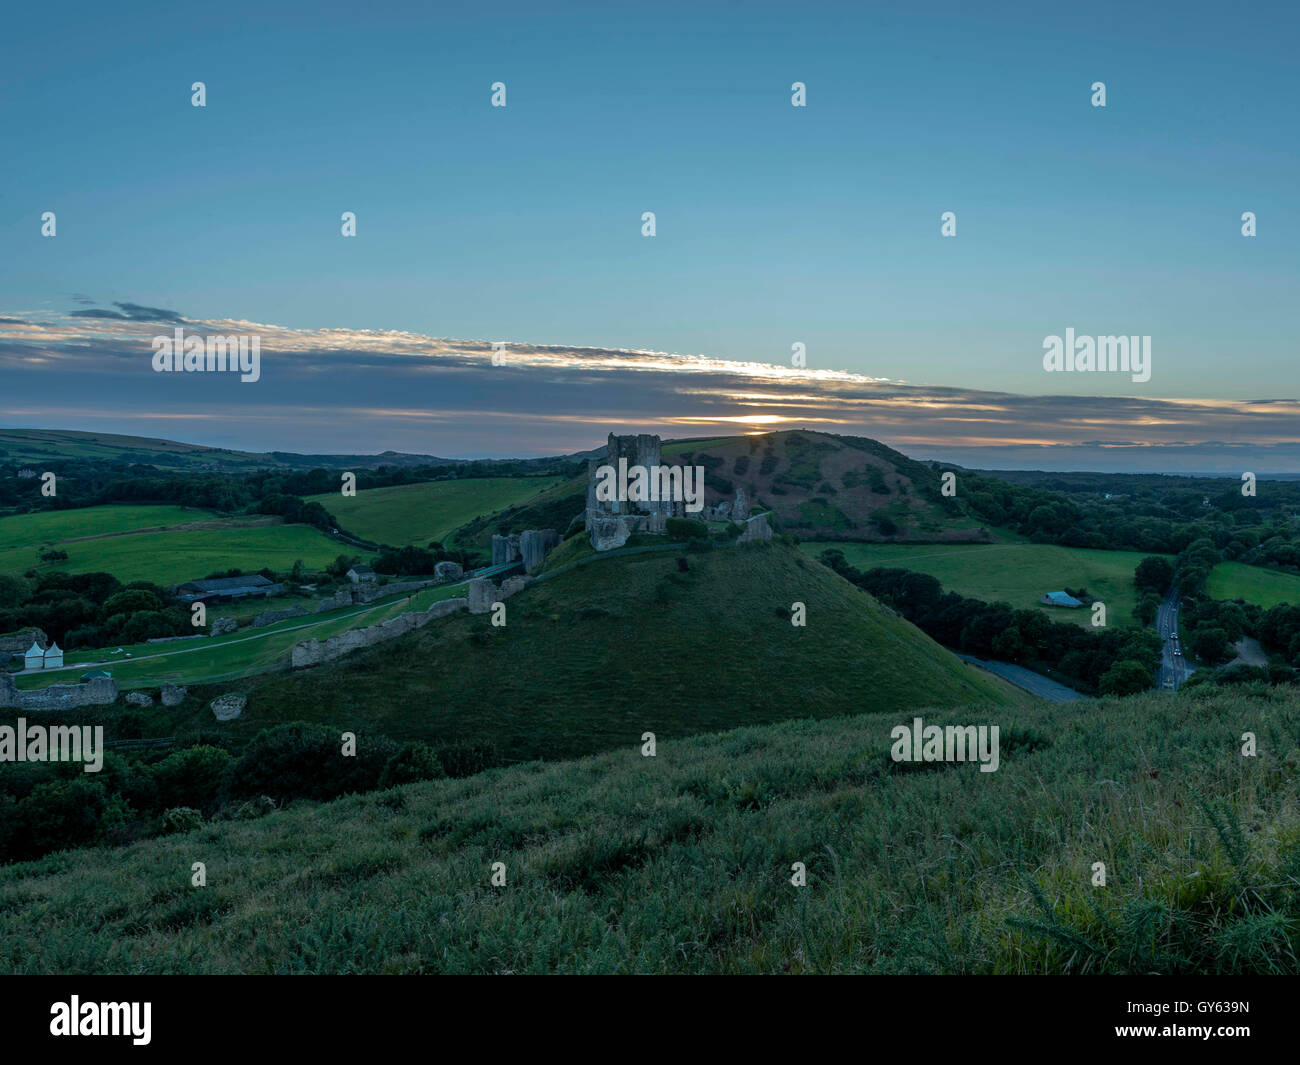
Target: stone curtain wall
[[98, 692], [314, 652]]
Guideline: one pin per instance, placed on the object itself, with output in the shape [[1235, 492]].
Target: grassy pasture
[[1012, 573], [1264, 587], [166, 556], [55, 526], [420, 513]]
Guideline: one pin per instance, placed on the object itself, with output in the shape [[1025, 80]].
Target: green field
[[422, 513], [1263, 587], [170, 556], [236, 654], [605, 651], [54, 526], [681, 863], [1012, 573]]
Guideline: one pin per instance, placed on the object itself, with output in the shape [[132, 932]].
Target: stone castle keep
[[610, 522]]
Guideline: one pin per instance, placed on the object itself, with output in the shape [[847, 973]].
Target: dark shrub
[[412, 762], [686, 529], [303, 761]]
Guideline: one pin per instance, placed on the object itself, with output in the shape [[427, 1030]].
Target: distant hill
[[683, 862], [34, 445], [591, 658]]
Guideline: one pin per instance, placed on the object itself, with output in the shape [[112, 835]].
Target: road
[[1174, 667], [1034, 683]]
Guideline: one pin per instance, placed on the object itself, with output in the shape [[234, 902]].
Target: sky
[[774, 225]]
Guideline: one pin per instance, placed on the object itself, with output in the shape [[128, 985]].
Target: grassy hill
[[1012, 573], [163, 544], [816, 484], [1264, 587], [35, 446], [596, 656], [821, 485], [420, 513], [682, 862]]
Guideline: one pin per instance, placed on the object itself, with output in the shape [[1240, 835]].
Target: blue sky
[[775, 224]]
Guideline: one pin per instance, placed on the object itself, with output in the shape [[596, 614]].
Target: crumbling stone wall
[[14, 643], [101, 691], [366, 592], [757, 528], [535, 544], [270, 617], [483, 593], [314, 652]]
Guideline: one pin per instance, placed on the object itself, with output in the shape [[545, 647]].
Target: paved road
[[1034, 683], [1174, 667]]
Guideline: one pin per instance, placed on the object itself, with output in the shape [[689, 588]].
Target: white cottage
[[54, 657], [35, 657]]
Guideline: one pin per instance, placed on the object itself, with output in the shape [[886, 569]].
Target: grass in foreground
[[682, 862]]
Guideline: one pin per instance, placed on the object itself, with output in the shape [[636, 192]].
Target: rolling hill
[[683, 862], [420, 513], [597, 655], [815, 484], [34, 446]]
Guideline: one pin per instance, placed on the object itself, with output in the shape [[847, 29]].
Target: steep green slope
[[598, 655], [682, 862], [420, 513]]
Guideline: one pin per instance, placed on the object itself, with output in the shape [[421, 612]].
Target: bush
[[1125, 678], [61, 814], [686, 529], [303, 761], [191, 777], [412, 762], [181, 819]]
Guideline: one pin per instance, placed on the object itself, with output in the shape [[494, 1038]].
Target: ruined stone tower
[[611, 522]]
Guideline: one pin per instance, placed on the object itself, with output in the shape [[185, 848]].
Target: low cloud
[[129, 312], [335, 390]]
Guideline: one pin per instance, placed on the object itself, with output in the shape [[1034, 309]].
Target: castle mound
[[818, 485], [592, 657]]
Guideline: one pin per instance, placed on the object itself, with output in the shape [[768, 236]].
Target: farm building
[[357, 574], [227, 588], [1060, 599]]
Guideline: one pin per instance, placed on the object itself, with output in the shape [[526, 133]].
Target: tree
[[1211, 645], [1154, 573], [1125, 678]]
